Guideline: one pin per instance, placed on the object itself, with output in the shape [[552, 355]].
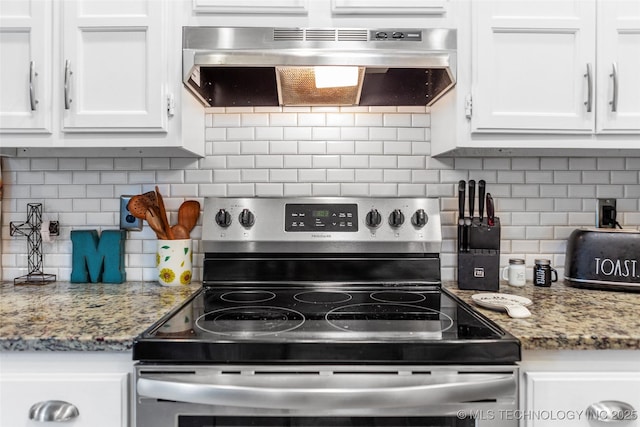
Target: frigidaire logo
[[616, 267], [321, 236]]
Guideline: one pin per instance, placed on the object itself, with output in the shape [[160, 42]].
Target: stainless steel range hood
[[245, 66]]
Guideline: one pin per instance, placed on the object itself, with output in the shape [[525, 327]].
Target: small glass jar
[[514, 273]]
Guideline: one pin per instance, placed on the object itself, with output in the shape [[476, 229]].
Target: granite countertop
[[568, 318], [107, 317], [64, 316]]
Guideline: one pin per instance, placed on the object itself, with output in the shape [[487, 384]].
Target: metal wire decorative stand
[[31, 229]]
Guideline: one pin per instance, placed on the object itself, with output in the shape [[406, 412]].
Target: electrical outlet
[[606, 213], [128, 221]]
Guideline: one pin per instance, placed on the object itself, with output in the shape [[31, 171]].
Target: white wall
[[316, 152]]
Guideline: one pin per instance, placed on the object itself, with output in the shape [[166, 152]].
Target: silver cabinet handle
[[589, 101], [53, 411], [302, 394], [67, 78], [614, 99], [32, 91], [609, 411]]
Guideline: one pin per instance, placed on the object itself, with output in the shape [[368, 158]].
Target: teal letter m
[[91, 254]]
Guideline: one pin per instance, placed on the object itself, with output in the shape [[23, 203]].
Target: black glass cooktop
[[387, 323]]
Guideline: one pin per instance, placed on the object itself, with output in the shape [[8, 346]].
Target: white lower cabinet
[[582, 398], [580, 388], [100, 399], [95, 389]]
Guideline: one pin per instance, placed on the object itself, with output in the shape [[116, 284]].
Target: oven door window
[[242, 421]]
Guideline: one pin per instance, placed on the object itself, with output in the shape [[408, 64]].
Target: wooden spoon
[[163, 215], [180, 231], [153, 218], [188, 214], [138, 206]]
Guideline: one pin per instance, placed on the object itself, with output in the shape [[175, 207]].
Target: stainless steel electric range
[[324, 312]]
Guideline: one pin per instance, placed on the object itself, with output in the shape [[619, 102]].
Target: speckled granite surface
[[107, 317], [82, 316], [567, 318]]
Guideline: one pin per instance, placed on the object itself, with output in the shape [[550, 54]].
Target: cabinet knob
[[608, 411], [53, 411]]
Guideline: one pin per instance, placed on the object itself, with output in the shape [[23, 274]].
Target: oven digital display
[[321, 217]]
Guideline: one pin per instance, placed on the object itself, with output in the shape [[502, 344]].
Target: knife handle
[[481, 189], [461, 197], [490, 211], [472, 197]]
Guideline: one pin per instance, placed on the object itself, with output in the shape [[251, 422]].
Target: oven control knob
[[247, 218], [419, 218], [373, 218], [223, 219], [396, 219]]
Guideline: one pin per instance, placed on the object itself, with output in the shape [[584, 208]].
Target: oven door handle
[[302, 395]]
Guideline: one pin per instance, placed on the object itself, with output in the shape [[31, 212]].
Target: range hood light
[[335, 76]]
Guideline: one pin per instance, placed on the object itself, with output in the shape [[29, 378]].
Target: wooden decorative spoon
[[188, 214], [163, 215]]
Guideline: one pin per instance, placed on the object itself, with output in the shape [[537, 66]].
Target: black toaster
[[606, 259]]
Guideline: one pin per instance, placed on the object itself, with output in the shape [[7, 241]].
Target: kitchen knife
[[490, 211], [481, 189], [472, 197], [469, 220], [461, 200]]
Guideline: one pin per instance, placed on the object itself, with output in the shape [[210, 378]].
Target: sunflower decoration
[[167, 275], [185, 277]]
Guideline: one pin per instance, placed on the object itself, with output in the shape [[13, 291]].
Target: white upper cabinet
[[251, 6], [25, 66], [84, 74], [618, 108], [113, 59], [548, 66], [384, 7], [533, 66]]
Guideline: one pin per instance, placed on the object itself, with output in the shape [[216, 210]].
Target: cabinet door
[[101, 399], [561, 399], [25, 66], [113, 65], [530, 65], [384, 7], [619, 66]]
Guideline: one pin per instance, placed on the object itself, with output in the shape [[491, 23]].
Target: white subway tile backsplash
[[368, 120], [340, 147], [369, 175], [241, 190], [100, 163], [297, 162], [240, 134], [356, 133], [283, 147], [270, 161], [312, 147], [283, 119], [254, 175], [283, 175], [305, 151], [324, 162], [311, 119], [297, 133], [354, 161], [397, 147], [273, 133], [369, 147], [271, 189]]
